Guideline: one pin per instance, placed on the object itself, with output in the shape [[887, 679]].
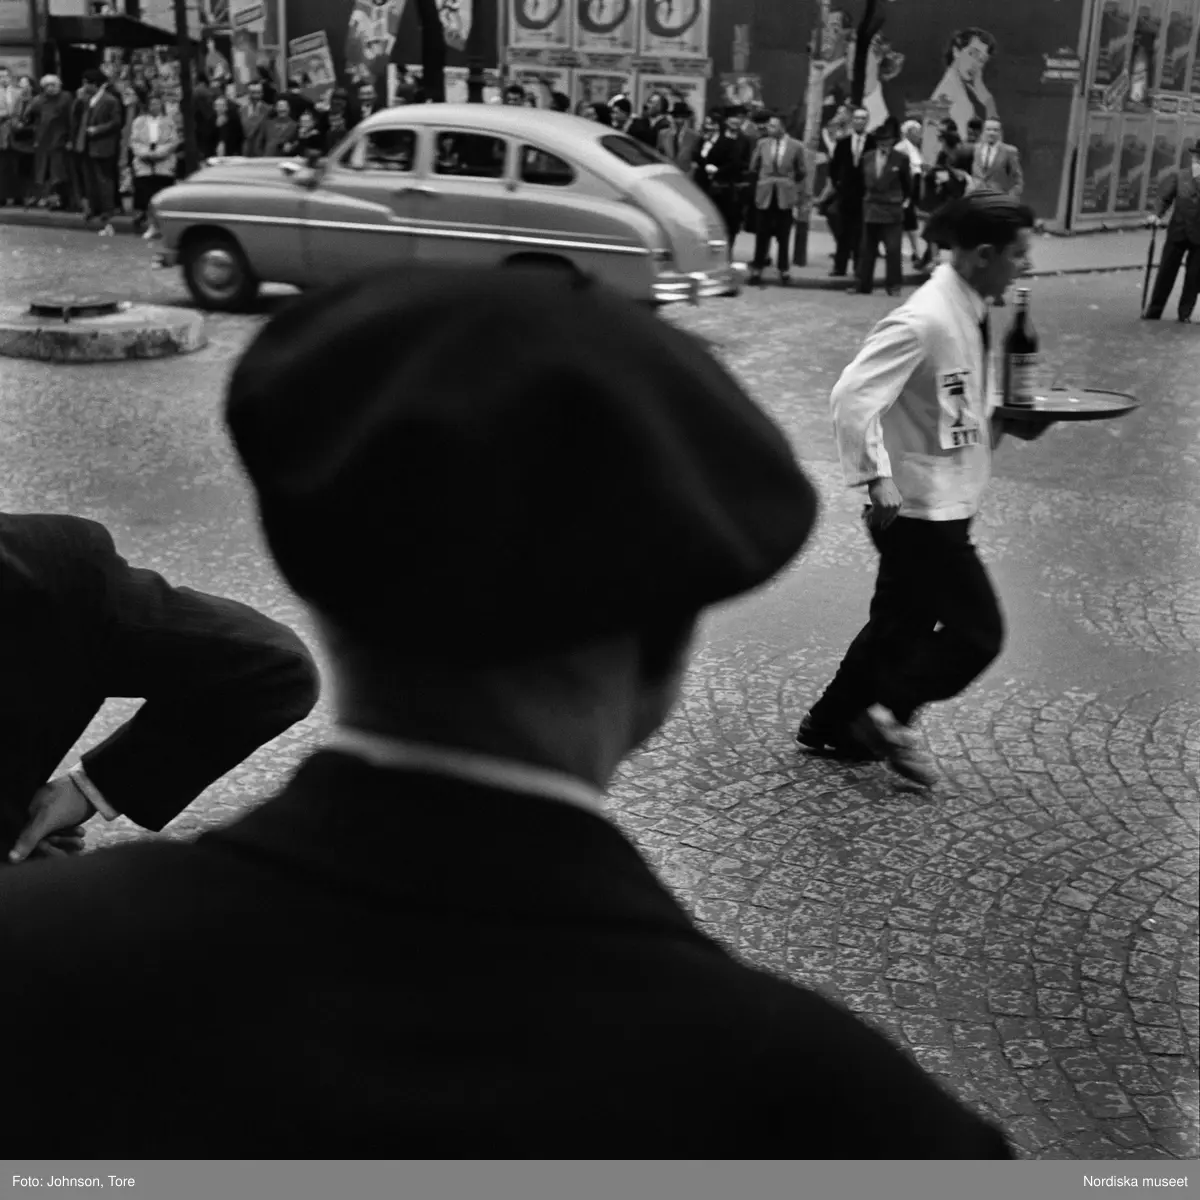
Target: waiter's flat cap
[[485, 465]]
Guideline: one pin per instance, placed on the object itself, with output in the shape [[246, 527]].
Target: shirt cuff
[[78, 777]]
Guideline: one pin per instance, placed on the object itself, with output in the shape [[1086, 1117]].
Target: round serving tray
[[1073, 404]]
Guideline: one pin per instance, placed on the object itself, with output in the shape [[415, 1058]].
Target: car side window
[[470, 155], [542, 167], [383, 150]]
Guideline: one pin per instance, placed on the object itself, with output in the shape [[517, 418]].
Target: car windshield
[[631, 151]]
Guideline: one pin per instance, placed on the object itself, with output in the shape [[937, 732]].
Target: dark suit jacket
[[78, 624], [103, 124], [1182, 191], [730, 155], [678, 145], [847, 178], [1004, 173], [886, 193], [230, 133], [377, 964]]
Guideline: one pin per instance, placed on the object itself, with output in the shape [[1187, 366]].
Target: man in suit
[[9, 102], [846, 178], [887, 189], [1182, 191], [677, 141], [779, 169], [99, 134], [997, 165], [81, 625], [721, 165], [255, 114], [433, 933]]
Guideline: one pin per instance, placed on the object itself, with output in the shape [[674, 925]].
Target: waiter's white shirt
[[912, 405]]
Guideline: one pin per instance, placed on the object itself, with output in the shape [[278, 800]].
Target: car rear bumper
[[671, 287]]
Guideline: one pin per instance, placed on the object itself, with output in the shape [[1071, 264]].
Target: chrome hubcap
[[217, 270]]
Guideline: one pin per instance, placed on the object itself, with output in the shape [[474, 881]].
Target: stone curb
[[825, 284], [140, 331]]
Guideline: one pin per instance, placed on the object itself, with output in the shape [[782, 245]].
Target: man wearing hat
[[432, 942], [677, 140], [1182, 192], [887, 191], [915, 425], [621, 112]]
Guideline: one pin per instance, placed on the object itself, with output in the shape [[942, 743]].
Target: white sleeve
[[868, 387], [79, 777]]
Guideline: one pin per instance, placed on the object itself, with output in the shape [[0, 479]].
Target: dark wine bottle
[[1021, 356]]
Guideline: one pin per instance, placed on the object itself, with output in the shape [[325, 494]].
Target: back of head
[[985, 217], [481, 467]]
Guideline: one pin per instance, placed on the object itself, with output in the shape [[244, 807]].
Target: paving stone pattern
[[1028, 930]]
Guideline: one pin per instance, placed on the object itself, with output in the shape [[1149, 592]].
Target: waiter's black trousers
[[935, 625], [1174, 253]]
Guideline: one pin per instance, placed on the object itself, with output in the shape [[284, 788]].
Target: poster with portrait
[[1164, 156], [370, 36], [310, 63], [1099, 163], [606, 26], [601, 87], [1147, 38], [543, 82], [1177, 48], [1134, 165], [540, 24], [688, 88], [674, 28], [737, 87], [1112, 47]]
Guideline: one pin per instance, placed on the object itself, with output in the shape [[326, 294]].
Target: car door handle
[[416, 191]]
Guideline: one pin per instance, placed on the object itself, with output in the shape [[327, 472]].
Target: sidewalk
[[1081, 254]]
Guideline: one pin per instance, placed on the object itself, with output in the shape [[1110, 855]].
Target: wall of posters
[[1164, 155], [540, 24], [1177, 47], [542, 82], [310, 63], [1098, 164], [599, 87], [688, 88], [1112, 43], [675, 28], [457, 89], [1133, 165], [606, 26], [1143, 60]]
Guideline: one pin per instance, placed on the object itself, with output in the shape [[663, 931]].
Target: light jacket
[[139, 145], [913, 405]]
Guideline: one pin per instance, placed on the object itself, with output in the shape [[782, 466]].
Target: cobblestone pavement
[[1028, 931]]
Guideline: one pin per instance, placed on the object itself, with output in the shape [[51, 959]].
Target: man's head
[[912, 132], [5, 77], [886, 137], [93, 80], [621, 110], [255, 92], [993, 131], [761, 119], [989, 234], [859, 119], [681, 114], [775, 126], [601, 527], [514, 95], [974, 130], [560, 102], [970, 50], [656, 105]]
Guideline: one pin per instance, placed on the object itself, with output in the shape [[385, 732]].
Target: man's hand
[[56, 812], [1152, 220], [885, 503]]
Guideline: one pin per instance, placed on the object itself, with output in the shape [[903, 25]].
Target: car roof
[[561, 132]]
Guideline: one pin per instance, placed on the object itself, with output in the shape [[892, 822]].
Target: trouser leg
[[1168, 268], [1191, 282], [893, 245]]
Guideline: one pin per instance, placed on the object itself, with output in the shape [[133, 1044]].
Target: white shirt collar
[[951, 280], [502, 774]]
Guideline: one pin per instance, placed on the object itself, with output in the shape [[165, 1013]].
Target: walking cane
[[1149, 265]]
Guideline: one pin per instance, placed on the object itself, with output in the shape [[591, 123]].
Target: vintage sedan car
[[484, 185]]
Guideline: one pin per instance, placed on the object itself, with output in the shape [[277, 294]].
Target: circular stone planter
[[89, 329]]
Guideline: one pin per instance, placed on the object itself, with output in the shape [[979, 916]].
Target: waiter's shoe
[[878, 730], [834, 743]]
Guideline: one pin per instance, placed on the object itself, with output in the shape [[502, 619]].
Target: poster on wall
[[1164, 156], [675, 28], [457, 91], [606, 26], [15, 22], [1112, 47], [543, 82], [737, 87], [688, 88], [310, 63], [539, 25], [1134, 165], [1099, 163], [1196, 62], [600, 87], [370, 36], [1177, 47], [1147, 38], [18, 64]]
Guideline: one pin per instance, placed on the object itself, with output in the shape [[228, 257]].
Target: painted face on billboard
[[971, 58]]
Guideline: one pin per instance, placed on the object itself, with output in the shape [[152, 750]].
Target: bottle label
[[1022, 381]]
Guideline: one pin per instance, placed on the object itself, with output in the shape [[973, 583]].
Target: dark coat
[[731, 156], [80, 625], [846, 177], [102, 125], [886, 193], [230, 133], [51, 118], [382, 964], [1182, 191], [279, 137]]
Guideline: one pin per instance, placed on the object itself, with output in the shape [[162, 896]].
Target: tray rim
[[1073, 414]]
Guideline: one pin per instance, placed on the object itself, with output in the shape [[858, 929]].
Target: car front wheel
[[217, 273]]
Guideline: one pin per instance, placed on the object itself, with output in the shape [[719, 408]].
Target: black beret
[[485, 465]]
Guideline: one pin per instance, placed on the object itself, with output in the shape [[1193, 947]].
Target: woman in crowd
[[22, 140], [154, 143], [50, 114], [135, 104], [279, 140], [710, 133], [225, 136], [910, 144]]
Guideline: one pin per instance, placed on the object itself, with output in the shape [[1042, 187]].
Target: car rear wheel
[[218, 274]]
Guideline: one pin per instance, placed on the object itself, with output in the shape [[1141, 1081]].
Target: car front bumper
[[671, 287]]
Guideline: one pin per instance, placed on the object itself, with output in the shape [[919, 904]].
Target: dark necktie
[[978, 105], [985, 334]]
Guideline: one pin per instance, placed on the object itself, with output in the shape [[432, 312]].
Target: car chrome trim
[[398, 227]]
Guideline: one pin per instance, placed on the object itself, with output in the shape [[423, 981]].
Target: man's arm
[[218, 679], [1166, 197], [111, 120], [1015, 173]]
